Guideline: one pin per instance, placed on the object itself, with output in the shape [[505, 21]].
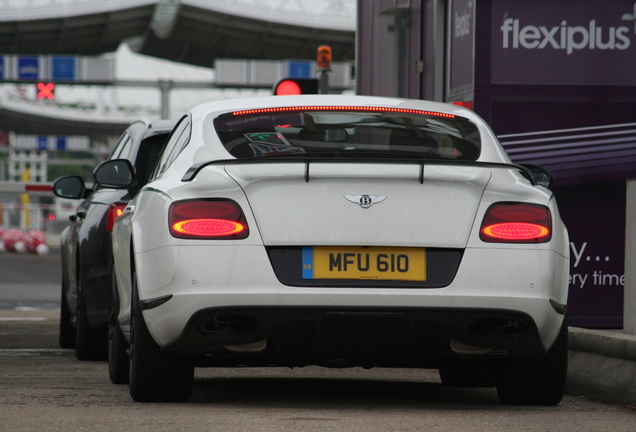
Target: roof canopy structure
[[82, 28], [188, 31], [197, 32], [25, 118]]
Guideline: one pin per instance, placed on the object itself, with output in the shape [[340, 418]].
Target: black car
[[86, 242]]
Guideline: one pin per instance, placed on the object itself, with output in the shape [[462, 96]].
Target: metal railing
[[31, 216]]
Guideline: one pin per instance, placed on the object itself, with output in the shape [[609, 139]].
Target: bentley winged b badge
[[365, 201]]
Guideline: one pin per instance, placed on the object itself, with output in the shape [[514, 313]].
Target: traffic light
[[296, 86], [323, 57], [46, 90]]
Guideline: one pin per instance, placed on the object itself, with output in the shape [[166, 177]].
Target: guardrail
[[34, 189]]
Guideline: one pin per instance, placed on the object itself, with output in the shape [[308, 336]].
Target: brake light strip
[[343, 108]]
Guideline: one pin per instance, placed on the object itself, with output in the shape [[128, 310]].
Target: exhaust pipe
[[227, 325], [498, 329]]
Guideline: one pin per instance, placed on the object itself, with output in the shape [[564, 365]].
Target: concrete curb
[[602, 365]]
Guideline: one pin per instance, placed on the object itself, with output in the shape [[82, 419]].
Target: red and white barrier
[[15, 240], [34, 189]]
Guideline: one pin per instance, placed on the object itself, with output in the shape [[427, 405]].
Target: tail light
[[114, 211], [207, 219], [516, 223]]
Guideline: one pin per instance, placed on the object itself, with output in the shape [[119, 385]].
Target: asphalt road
[[29, 280], [44, 388]]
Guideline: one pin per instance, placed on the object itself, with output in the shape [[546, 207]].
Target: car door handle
[[129, 210]]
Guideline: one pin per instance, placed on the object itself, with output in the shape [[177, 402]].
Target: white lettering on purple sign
[[564, 37], [594, 277], [462, 23]]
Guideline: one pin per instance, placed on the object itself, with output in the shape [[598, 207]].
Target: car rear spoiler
[[196, 168]]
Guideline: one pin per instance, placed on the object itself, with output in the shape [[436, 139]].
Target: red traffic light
[[288, 87], [46, 91], [296, 86]]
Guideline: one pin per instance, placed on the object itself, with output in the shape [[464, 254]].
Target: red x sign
[[45, 91]]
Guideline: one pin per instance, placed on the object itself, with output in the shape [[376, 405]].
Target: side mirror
[[541, 176], [70, 187], [116, 174]]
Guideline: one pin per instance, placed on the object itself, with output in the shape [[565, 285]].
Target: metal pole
[[323, 84], [629, 306], [165, 87]]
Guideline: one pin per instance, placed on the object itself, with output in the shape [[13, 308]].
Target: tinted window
[[178, 141], [148, 155], [122, 149], [349, 132]]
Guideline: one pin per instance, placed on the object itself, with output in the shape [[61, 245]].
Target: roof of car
[[163, 124]]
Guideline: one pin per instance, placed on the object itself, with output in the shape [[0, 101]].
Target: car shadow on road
[[330, 393]]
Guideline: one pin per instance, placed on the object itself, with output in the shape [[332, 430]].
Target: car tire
[[90, 343], [67, 331], [155, 376], [118, 361], [538, 381]]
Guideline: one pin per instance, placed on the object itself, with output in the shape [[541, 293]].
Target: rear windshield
[[348, 133]]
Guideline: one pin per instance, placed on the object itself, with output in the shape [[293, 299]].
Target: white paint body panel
[[290, 211], [249, 280]]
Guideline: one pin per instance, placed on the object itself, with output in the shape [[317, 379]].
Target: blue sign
[[28, 68], [2, 67], [60, 142], [300, 69], [63, 68], [43, 142]]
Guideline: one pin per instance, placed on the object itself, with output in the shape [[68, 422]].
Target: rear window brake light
[[343, 108]]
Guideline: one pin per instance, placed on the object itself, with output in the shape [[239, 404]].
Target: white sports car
[[339, 231]]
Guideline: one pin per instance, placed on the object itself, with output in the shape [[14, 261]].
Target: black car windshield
[[342, 132]]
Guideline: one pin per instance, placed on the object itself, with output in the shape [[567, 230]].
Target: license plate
[[373, 263]]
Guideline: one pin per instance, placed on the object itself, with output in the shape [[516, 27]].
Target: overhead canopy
[[188, 31], [27, 119], [198, 32], [73, 28]]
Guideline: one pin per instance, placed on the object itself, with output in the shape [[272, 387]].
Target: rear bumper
[[490, 284], [367, 337]]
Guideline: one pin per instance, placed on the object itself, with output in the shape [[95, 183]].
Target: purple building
[[556, 80]]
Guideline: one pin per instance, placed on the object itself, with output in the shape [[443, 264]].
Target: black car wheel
[[537, 382], [155, 376], [118, 367], [90, 343], [67, 331]]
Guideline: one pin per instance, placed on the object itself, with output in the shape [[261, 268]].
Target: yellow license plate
[[373, 263]]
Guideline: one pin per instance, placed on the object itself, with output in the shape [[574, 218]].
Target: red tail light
[[516, 223], [207, 219], [114, 211]]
